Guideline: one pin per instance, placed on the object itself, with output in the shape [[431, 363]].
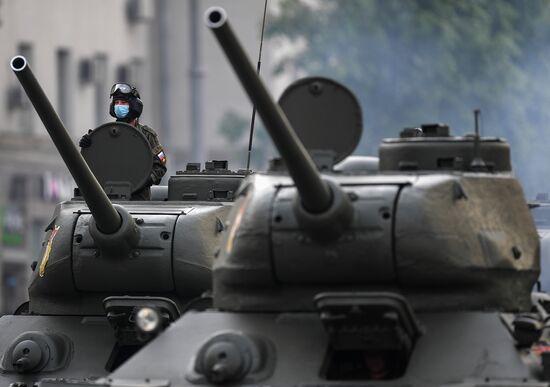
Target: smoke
[[428, 61]]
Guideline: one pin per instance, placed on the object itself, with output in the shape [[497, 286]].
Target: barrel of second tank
[[314, 192], [106, 216]]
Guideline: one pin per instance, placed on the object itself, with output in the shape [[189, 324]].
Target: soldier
[[126, 106]]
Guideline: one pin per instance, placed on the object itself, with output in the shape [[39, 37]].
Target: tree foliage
[[236, 129], [420, 61]]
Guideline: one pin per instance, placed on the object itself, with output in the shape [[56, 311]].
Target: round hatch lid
[[325, 115], [119, 153]]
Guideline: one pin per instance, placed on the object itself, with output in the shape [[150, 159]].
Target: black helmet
[[125, 92]]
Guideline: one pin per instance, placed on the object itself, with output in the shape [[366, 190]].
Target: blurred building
[[31, 182], [77, 50], [196, 85]]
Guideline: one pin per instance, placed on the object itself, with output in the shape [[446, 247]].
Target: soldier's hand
[[85, 141]]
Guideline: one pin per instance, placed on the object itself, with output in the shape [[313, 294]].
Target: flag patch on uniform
[[162, 157]]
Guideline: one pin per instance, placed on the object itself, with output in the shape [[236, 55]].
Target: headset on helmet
[[125, 92]]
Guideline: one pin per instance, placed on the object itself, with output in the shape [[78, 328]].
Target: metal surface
[[173, 257], [443, 153], [125, 144], [417, 232], [91, 338], [471, 345], [324, 114]]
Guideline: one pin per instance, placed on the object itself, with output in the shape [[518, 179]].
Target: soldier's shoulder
[[147, 129]]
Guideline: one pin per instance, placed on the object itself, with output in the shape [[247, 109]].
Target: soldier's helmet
[[125, 92]]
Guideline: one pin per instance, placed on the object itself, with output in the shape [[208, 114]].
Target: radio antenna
[[251, 136], [477, 163]]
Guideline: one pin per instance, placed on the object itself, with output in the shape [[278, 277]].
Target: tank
[[418, 273], [113, 273]]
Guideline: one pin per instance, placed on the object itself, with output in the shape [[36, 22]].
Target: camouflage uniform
[[159, 162]]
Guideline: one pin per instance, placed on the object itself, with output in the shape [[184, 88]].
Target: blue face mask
[[122, 111]]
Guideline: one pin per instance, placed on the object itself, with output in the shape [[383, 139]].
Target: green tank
[[109, 266]]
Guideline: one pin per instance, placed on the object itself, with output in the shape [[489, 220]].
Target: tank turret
[[407, 229], [392, 277]]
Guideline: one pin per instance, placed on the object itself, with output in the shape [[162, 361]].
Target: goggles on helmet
[[122, 88]]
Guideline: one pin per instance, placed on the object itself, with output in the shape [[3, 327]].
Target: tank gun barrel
[[105, 215], [315, 194]]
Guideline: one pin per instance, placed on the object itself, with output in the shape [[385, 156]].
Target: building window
[[122, 74], [64, 86], [13, 225], [136, 72], [18, 188], [55, 188], [26, 115], [101, 88]]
